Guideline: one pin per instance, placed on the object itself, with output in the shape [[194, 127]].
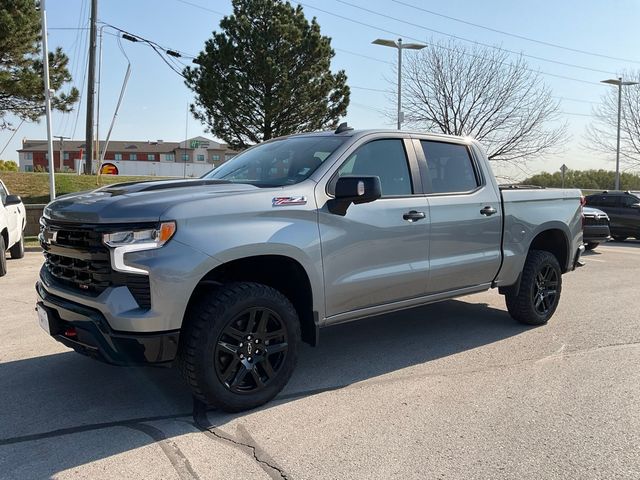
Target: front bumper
[[86, 331], [595, 233]]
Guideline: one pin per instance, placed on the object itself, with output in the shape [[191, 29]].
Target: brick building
[[192, 157]]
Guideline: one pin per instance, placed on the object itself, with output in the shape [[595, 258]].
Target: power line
[[577, 100], [364, 56], [543, 59], [200, 7], [522, 37], [576, 114], [380, 29], [369, 89]]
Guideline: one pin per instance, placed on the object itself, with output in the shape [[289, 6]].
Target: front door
[[376, 253], [13, 216]]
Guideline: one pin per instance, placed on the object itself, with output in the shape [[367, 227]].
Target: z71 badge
[[284, 201]]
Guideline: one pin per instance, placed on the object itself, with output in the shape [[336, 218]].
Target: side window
[[450, 167], [627, 201], [385, 159], [608, 201], [594, 200], [3, 194]]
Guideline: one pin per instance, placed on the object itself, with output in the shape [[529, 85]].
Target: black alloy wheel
[[545, 290], [239, 345], [251, 350], [535, 300]]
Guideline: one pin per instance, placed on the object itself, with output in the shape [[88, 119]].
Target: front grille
[[595, 221], [76, 258]]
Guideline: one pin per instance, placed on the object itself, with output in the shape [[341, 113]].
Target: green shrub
[[8, 166]]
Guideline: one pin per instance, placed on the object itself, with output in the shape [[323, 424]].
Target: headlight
[[153, 237], [128, 241]]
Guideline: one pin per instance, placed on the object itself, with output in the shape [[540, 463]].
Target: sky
[[156, 99]]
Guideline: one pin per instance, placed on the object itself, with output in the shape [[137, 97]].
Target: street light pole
[[400, 46], [400, 119], [619, 83], [47, 101]]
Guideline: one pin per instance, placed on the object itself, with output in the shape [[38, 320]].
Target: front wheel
[[620, 238], [591, 245], [17, 251], [239, 346], [540, 288]]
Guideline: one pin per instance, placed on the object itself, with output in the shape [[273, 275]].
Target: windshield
[[278, 163]]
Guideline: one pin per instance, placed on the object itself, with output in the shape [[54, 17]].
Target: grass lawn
[[34, 187]]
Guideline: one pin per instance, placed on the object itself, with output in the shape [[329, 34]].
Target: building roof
[[158, 146]]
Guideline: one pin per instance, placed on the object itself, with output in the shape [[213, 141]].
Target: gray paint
[[370, 261]]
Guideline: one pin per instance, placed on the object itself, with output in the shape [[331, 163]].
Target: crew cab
[[12, 223], [226, 274]]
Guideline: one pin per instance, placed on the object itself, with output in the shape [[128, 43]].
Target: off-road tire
[[522, 307], [620, 238], [207, 320], [3, 257], [591, 245], [17, 251]]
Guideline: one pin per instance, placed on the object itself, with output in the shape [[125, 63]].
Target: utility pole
[[91, 84], [61, 139], [47, 101], [619, 84]]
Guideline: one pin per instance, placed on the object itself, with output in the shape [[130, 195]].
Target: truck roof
[[362, 132]]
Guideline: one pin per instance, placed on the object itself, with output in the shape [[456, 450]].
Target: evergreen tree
[[265, 74], [21, 71]]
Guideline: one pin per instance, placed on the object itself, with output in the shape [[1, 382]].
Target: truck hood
[[136, 202]]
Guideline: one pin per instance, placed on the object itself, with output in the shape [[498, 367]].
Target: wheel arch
[[555, 241], [282, 272], [5, 236]]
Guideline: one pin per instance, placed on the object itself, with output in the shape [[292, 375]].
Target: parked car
[[12, 223], [226, 274], [623, 209], [595, 227]]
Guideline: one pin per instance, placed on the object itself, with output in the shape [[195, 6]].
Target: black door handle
[[488, 211], [413, 216]]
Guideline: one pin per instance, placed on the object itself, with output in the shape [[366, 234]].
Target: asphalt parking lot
[[453, 390]]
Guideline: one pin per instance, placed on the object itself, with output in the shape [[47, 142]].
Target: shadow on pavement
[[67, 391]]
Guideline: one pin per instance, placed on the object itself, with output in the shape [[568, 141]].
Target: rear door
[[465, 214], [629, 216], [376, 254]]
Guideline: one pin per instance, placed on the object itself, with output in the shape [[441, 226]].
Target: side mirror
[[354, 190], [12, 200]]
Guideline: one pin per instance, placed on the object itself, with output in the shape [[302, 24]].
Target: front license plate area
[[43, 319]]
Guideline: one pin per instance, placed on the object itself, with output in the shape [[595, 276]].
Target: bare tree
[[602, 132], [484, 93]]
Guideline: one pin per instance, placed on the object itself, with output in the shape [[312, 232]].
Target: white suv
[[12, 223]]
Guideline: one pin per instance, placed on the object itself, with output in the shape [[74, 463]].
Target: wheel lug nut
[[257, 341], [249, 358], [241, 344], [248, 337], [241, 356]]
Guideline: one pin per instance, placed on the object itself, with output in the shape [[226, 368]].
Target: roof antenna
[[343, 127]]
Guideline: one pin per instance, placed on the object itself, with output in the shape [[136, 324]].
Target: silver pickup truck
[[226, 274]]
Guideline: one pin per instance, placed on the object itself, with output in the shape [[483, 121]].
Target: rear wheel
[[17, 251], [620, 238], [3, 257], [591, 245], [240, 346], [540, 288]]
